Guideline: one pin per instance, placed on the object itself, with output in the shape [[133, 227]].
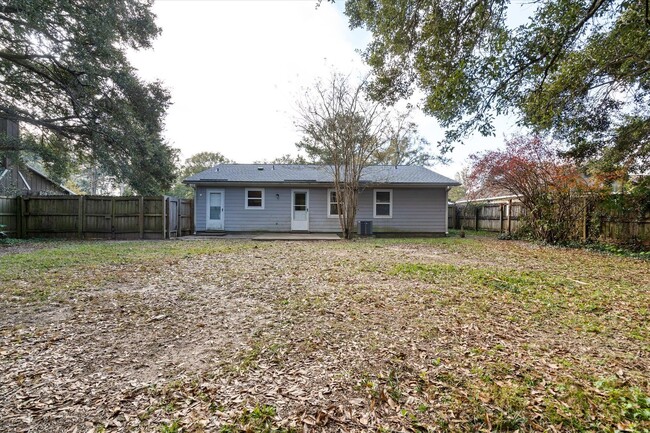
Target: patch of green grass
[[592, 307], [59, 266], [172, 427], [619, 250], [69, 254], [249, 358], [260, 419], [499, 280], [451, 243], [631, 403], [14, 241], [428, 272]]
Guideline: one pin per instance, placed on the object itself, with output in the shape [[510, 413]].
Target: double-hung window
[[383, 203], [332, 204], [254, 198]]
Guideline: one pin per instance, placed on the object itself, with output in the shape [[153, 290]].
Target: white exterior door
[[215, 212], [300, 210]]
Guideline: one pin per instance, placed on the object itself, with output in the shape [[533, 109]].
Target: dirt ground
[[378, 335]]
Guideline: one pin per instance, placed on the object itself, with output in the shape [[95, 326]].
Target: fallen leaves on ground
[[378, 335]]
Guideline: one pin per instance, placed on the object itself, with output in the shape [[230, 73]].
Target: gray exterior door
[[300, 210], [215, 212]]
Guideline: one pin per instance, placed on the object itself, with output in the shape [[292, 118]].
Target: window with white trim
[[383, 203], [332, 204], [254, 198]]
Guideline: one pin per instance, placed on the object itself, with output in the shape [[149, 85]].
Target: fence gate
[[173, 213]]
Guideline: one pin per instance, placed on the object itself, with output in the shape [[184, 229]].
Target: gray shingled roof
[[314, 174]]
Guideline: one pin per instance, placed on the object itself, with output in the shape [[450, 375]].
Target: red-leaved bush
[[549, 186]]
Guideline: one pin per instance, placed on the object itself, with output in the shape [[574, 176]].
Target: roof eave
[[51, 180], [204, 182]]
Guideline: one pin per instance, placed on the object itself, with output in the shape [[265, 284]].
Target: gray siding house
[[284, 198]]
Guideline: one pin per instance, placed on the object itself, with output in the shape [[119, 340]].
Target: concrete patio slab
[[267, 237], [297, 237]]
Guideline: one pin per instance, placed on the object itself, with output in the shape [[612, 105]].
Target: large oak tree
[[579, 69], [65, 77]]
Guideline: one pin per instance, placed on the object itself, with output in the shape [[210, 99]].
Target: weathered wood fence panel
[[615, 227], [8, 220], [508, 217], [57, 216], [500, 217], [97, 217]]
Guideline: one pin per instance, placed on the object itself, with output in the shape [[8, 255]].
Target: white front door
[[300, 210], [214, 217]]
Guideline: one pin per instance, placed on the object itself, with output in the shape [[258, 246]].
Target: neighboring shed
[[282, 198], [24, 180]]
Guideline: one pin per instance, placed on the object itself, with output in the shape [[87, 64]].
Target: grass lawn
[[448, 334]]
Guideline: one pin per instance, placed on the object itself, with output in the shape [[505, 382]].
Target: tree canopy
[[195, 164], [578, 69], [65, 77], [200, 162], [287, 159], [405, 145]]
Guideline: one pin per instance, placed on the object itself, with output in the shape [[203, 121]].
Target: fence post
[[164, 217], [179, 221], [585, 220], [141, 218], [80, 217], [192, 228], [476, 215], [23, 217], [501, 218], [509, 214], [113, 234]]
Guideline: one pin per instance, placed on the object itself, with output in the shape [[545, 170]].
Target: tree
[[286, 159], [343, 129], [550, 187], [460, 191], [195, 164], [93, 180], [66, 79], [200, 162], [577, 69], [406, 146]]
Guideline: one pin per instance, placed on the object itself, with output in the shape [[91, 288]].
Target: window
[[332, 204], [383, 203], [254, 198]]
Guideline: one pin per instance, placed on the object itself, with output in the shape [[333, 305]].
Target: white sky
[[235, 70]]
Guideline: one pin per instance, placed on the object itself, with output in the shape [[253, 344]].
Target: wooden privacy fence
[[500, 217], [138, 217], [508, 217], [625, 227]]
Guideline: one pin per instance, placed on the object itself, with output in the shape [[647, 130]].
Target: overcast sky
[[236, 68]]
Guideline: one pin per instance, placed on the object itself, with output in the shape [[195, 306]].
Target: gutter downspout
[[447, 210], [194, 204]]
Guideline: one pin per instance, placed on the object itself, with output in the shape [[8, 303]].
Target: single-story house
[[284, 198]]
